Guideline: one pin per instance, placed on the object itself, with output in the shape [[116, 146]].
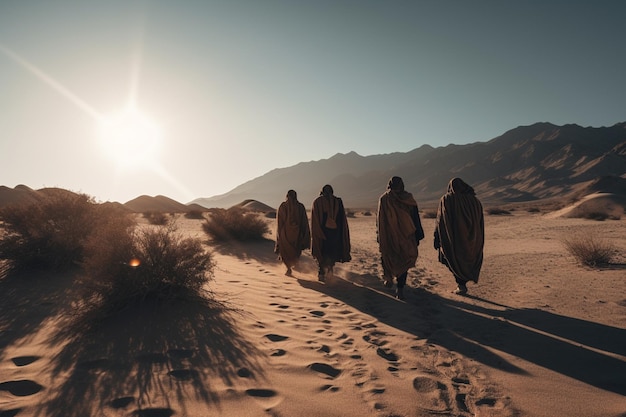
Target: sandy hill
[[254, 205], [24, 194], [539, 161], [159, 203]]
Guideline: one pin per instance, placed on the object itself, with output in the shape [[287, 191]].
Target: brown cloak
[[292, 232], [460, 231], [399, 231], [329, 230]]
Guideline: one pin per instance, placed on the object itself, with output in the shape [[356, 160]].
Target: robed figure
[[399, 231], [329, 232], [460, 233], [293, 234]]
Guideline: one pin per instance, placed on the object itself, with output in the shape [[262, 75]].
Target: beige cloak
[[399, 231]]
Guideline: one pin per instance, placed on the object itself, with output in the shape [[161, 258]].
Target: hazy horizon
[[191, 99]]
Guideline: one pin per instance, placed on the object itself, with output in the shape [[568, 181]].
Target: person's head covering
[[292, 195], [395, 184], [327, 190], [458, 186]]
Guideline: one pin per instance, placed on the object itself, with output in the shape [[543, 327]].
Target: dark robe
[[399, 231], [460, 231], [329, 231], [293, 234]]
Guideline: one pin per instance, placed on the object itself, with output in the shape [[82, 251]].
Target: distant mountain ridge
[[527, 163]]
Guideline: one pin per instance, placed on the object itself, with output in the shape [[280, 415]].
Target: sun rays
[[128, 137]]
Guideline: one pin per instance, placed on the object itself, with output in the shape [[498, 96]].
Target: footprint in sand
[[21, 388], [122, 402], [23, 361], [317, 313], [268, 398], [244, 373], [375, 339], [387, 354], [432, 394], [262, 393], [330, 388], [279, 352], [323, 348], [154, 412], [325, 369], [276, 337]]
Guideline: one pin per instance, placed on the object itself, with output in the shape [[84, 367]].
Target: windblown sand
[[539, 335]]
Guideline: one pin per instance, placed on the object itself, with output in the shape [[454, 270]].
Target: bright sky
[[191, 98]]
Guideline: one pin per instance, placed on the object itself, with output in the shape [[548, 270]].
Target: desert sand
[[538, 336]]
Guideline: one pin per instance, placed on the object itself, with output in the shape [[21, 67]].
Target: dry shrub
[[595, 215], [534, 210], [52, 232], [234, 223], [147, 263], [195, 214], [430, 214], [156, 217], [589, 249]]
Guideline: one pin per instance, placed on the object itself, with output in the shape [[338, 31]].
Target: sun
[[130, 138]]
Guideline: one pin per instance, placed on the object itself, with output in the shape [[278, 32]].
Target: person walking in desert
[[460, 233], [399, 231], [329, 232], [293, 234]]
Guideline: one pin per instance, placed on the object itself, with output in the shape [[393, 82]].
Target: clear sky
[[189, 99]]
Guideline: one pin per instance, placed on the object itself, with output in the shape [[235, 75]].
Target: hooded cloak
[[293, 234], [329, 229], [460, 231], [399, 229]]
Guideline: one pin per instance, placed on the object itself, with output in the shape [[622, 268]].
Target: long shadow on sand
[[147, 360], [587, 351], [28, 299]]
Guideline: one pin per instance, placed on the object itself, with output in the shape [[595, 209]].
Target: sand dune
[[538, 336], [607, 204]]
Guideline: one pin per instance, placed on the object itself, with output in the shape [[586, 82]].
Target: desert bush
[[234, 223], [431, 214], [595, 215], [195, 214], [52, 232], [350, 213], [497, 211], [589, 249], [534, 210], [156, 217], [147, 263], [367, 213]]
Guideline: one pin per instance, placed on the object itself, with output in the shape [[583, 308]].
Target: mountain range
[[538, 162]]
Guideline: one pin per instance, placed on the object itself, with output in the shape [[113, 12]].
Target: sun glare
[[130, 139]]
